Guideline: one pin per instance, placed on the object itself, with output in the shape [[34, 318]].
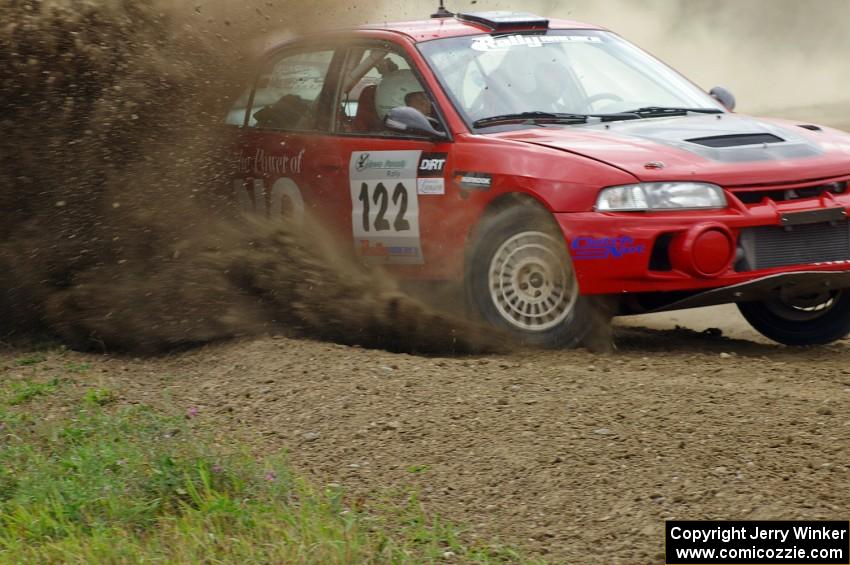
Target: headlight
[[661, 196]]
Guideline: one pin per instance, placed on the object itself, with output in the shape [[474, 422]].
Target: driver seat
[[366, 119]]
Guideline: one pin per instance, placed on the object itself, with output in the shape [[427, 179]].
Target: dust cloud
[[117, 228]]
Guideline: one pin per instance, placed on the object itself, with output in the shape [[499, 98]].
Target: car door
[[288, 114], [387, 198]]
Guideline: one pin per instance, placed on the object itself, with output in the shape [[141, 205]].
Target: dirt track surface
[[575, 456]]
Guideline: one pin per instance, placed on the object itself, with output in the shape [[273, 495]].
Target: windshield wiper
[[531, 117], [658, 111], [539, 117], [551, 118]]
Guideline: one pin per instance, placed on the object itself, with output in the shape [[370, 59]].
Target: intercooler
[[769, 246]]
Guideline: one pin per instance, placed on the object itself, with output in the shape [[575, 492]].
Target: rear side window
[[288, 92]]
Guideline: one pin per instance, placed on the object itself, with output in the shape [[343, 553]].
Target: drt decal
[[385, 206], [591, 248]]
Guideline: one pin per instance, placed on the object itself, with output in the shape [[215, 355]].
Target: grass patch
[[78, 367], [24, 391], [31, 360], [99, 396], [418, 469], [131, 485]]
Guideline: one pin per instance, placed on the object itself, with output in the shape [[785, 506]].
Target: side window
[[375, 80], [287, 93]]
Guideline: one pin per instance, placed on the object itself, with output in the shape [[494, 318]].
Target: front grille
[[768, 247], [784, 195]]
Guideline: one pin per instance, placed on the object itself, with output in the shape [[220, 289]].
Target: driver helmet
[[393, 90]]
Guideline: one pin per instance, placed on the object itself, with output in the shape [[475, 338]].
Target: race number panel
[[385, 206]]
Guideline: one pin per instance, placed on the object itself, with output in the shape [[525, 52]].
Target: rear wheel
[[811, 319], [521, 279]]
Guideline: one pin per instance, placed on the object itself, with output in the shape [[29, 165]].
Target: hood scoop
[[736, 140]]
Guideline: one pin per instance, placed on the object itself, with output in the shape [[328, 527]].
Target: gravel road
[[574, 456]]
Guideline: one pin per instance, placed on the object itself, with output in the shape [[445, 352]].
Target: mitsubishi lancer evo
[[550, 166]]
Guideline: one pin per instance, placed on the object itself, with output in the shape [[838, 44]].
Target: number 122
[[381, 198]]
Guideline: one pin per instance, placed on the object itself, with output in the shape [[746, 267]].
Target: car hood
[[727, 149]]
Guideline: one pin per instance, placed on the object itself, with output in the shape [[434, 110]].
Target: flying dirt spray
[[114, 233]]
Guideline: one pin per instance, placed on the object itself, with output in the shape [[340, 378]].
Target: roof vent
[[811, 127], [738, 140], [504, 21]]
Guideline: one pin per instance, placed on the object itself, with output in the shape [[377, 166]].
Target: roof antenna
[[442, 12]]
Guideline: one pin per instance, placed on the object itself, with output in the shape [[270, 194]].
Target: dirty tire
[[803, 321], [520, 279]]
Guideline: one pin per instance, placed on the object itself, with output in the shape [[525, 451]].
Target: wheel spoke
[[532, 281]]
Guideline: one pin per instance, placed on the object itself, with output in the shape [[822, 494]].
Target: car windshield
[[576, 72]]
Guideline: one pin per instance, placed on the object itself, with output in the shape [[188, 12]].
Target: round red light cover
[[712, 250]]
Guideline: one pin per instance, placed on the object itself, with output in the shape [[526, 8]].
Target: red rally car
[[550, 165]]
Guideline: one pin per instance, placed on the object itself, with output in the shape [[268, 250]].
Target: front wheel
[[521, 279], [813, 319]]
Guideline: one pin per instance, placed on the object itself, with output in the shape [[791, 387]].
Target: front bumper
[[695, 251]]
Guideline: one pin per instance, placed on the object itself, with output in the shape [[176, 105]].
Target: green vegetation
[[130, 485], [32, 360], [24, 391], [99, 396], [78, 367], [417, 468]]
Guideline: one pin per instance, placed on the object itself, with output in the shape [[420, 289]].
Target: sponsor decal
[[261, 163], [361, 162], [431, 165], [382, 161], [281, 201], [431, 186], [490, 43], [473, 181], [592, 248], [370, 249]]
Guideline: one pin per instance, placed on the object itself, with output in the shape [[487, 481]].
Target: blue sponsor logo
[[592, 248]]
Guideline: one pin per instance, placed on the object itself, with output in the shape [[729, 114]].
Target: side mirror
[[724, 96], [404, 119]]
